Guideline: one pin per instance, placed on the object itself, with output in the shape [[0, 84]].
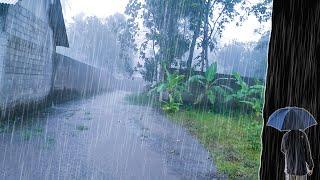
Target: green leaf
[[247, 102], [171, 107], [211, 72], [161, 88], [154, 89], [258, 86], [229, 89], [240, 80], [197, 78], [228, 98], [212, 97], [220, 79], [220, 90]]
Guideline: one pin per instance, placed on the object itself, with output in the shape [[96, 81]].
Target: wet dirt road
[[103, 137]]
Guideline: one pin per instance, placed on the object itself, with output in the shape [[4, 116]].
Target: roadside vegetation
[[223, 113], [180, 57], [233, 140]]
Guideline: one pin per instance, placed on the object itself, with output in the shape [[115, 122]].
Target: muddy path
[[103, 137]]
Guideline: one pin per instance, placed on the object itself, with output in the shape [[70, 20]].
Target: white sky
[[104, 8], [245, 32], [99, 8]]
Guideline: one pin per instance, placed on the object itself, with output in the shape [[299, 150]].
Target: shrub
[[210, 84], [248, 95], [174, 86]]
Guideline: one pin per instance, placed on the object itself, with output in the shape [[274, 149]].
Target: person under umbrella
[[295, 144]]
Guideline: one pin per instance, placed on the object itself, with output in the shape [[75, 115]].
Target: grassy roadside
[[233, 140]]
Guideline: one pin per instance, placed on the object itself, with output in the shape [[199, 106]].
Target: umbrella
[[291, 118]]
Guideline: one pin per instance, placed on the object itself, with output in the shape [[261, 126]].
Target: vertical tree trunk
[[195, 36], [163, 45], [293, 77], [172, 31], [205, 43], [156, 64]]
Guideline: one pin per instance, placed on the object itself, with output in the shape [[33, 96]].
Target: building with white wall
[[30, 30]]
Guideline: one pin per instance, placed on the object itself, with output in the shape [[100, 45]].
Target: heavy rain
[[159, 89]]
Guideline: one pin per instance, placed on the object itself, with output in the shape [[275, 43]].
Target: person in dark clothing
[[296, 148]]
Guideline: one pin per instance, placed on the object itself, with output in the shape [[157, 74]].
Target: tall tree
[[205, 41], [292, 78], [196, 14], [161, 20], [207, 20], [125, 30]]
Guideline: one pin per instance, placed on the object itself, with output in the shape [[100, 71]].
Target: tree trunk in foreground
[[293, 77]]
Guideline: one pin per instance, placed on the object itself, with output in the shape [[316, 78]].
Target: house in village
[[30, 30]]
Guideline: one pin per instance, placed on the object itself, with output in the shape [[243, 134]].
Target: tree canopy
[[182, 33]]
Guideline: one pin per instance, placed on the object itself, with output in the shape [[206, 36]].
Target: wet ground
[[102, 137]]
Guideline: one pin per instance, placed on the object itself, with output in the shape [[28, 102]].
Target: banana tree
[[249, 95], [210, 84], [174, 86]]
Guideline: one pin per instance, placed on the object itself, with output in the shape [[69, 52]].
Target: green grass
[[48, 143], [29, 132], [141, 99], [3, 127], [82, 128], [26, 135], [233, 141]]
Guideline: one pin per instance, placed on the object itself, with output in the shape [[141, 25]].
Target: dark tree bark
[[293, 77], [205, 42], [195, 36]]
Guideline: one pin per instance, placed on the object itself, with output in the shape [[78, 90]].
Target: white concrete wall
[[39, 8], [26, 63], [79, 77]]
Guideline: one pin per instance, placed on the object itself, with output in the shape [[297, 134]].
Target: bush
[[251, 96], [210, 84]]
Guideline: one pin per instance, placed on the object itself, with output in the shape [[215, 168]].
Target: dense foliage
[[210, 84], [182, 33], [249, 95], [174, 86], [181, 39], [176, 29]]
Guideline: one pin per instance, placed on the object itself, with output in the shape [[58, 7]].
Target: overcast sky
[[100, 8], [104, 8]]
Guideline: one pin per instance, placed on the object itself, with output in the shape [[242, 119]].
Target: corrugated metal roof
[[8, 1]]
